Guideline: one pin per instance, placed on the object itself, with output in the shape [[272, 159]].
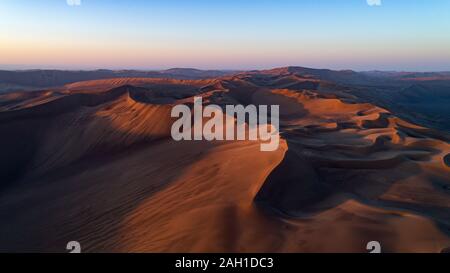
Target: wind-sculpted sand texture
[[94, 162]]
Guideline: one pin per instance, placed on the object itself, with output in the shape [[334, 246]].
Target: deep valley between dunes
[[94, 162]]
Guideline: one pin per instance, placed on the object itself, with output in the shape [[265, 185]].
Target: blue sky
[[246, 34]]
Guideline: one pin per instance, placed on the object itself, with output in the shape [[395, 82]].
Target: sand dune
[[35, 79], [94, 162]]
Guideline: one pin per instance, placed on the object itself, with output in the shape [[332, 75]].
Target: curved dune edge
[[100, 168]]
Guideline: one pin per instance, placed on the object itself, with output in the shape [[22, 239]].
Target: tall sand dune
[[94, 162]]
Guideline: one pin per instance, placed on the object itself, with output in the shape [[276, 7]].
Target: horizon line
[[4, 67]]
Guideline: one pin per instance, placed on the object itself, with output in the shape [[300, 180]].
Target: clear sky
[[225, 34]]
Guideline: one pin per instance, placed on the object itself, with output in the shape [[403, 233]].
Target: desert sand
[[94, 162]]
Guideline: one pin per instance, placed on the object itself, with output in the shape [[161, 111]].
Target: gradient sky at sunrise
[[225, 34]]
